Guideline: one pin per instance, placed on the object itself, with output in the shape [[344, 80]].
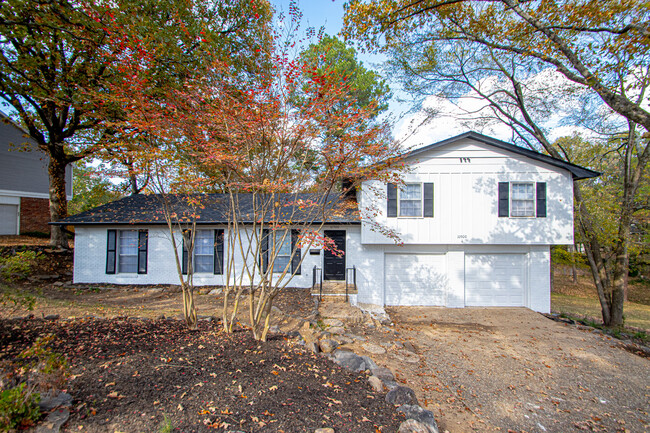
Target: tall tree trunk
[[58, 200]]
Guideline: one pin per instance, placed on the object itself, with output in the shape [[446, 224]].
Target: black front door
[[334, 266]]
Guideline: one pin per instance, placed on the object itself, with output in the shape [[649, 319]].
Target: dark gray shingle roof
[[214, 209]]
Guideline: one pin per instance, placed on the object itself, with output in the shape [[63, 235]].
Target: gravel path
[[515, 370]]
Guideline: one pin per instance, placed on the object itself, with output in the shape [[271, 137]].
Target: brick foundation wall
[[34, 215]]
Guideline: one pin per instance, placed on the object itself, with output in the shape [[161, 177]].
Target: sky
[[408, 127]]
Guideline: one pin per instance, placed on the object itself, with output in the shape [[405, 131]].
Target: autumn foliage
[[284, 129]]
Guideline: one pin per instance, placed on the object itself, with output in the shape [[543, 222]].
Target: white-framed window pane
[[204, 251], [410, 200], [283, 250], [280, 264], [128, 254], [522, 203]]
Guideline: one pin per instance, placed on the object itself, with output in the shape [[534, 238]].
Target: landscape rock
[[373, 348], [413, 426], [276, 311], [51, 317], [401, 395], [333, 322], [215, 292], [341, 339], [376, 383], [336, 330], [383, 373], [350, 360], [419, 414], [370, 364], [50, 402], [328, 345], [58, 284], [408, 346], [312, 346], [54, 421], [324, 430], [275, 329], [307, 334]]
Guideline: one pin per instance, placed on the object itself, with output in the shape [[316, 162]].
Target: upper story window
[[410, 200], [522, 199]]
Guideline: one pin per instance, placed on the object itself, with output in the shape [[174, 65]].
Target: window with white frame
[[204, 251], [282, 248], [410, 200], [128, 251], [522, 199]]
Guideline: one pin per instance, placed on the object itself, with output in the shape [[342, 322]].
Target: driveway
[[511, 369]]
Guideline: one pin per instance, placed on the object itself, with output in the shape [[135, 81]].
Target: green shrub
[[47, 369], [19, 265], [18, 407]]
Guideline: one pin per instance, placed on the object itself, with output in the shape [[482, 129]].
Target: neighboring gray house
[[24, 184], [476, 217]]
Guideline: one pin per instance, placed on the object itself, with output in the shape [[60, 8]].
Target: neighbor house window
[[410, 200], [282, 243], [522, 200], [128, 252]]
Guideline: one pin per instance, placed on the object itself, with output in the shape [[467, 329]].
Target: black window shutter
[[143, 246], [111, 251], [185, 256], [218, 251], [428, 200], [265, 250], [295, 259], [391, 202], [541, 199], [504, 199]]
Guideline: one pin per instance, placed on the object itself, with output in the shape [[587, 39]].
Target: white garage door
[[8, 219], [415, 279], [494, 280]]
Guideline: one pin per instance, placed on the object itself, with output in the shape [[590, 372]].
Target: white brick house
[[476, 218]]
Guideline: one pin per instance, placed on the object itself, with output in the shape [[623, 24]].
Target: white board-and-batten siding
[[465, 175], [91, 250]]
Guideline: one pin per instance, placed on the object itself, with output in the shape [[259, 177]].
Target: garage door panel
[[415, 279], [8, 219], [494, 280]]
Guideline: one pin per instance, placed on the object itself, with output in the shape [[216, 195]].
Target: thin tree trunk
[[574, 268], [58, 201]]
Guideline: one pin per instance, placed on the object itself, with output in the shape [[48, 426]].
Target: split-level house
[[24, 182], [475, 218]]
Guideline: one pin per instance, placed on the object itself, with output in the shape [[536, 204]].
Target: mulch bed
[[127, 374]]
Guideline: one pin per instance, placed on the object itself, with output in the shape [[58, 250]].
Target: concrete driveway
[[511, 369]]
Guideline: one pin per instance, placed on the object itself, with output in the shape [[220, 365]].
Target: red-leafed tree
[[278, 164]]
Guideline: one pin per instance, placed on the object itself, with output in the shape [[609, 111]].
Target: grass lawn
[[636, 315], [581, 300]]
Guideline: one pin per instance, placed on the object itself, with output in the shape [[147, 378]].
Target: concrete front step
[[334, 288]]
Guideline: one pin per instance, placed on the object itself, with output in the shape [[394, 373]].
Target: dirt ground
[[128, 375], [514, 370]]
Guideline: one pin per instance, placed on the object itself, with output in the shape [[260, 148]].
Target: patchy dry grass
[[580, 299], [636, 315]]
